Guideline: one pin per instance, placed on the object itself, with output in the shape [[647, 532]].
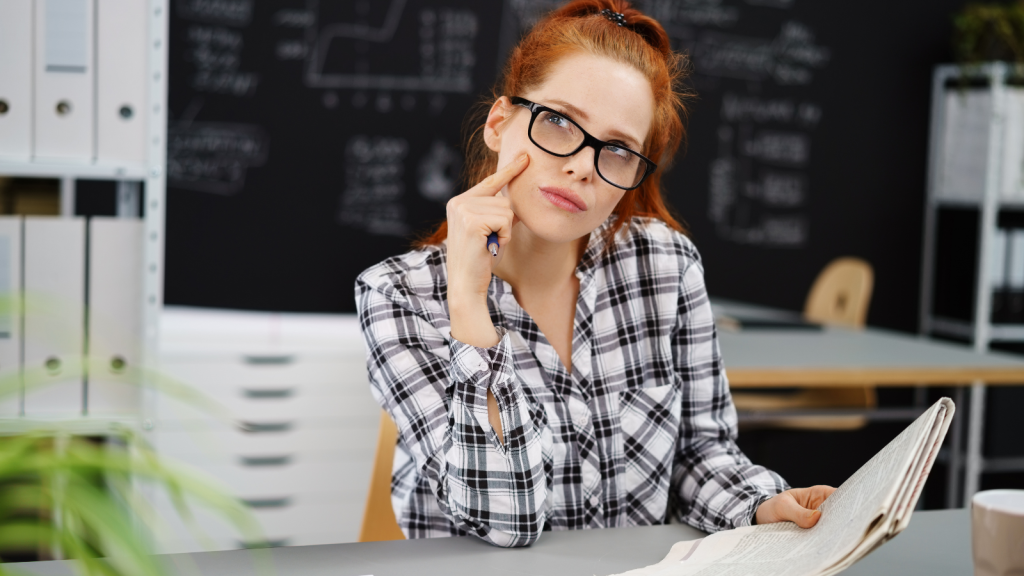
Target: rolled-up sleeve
[[717, 486], [435, 389]]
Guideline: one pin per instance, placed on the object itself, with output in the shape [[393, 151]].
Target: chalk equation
[[757, 185], [746, 52], [372, 199], [788, 59], [213, 157], [214, 44], [229, 12]]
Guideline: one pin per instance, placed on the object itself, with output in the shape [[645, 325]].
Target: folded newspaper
[[871, 507]]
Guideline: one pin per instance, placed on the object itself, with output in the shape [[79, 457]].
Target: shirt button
[[594, 500]]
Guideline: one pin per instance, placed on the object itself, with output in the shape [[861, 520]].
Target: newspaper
[[871, 507]]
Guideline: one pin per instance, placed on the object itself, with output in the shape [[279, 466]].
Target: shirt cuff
[[482, 366], [749, 517]]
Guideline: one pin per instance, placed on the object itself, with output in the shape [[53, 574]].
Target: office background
[[306, 144], [309, 141]]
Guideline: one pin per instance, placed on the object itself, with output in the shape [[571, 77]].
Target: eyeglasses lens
[[558, 135]]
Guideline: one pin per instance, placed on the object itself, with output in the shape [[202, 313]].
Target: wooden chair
[[379, 517], [840, 296]]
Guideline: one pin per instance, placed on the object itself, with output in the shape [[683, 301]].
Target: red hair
[[579, 26]]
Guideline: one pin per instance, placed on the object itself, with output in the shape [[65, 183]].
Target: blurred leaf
[[989, 32], [64, 491]]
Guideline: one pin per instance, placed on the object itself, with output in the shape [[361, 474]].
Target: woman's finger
[[495, 182], [790, 509], [812, 497]]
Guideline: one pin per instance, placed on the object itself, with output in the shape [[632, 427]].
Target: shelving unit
[[145, 103], [131, 177], [976, 154]]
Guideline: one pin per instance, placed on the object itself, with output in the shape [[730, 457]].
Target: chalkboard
[[309, 140]]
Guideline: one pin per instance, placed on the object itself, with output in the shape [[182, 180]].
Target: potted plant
[[989, 33], [76, 497]]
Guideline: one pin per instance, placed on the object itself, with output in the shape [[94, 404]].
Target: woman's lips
[[564, 198]]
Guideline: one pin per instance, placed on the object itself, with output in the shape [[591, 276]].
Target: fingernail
[[522, 157], [811, 513]]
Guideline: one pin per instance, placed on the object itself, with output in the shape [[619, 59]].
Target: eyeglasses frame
[[588, 140]]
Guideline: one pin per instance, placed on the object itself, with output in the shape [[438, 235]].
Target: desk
[[843, 357], [936, 543]]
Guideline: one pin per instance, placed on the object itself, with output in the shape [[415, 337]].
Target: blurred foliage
[[988, 33], [70, 493], [69, 490]]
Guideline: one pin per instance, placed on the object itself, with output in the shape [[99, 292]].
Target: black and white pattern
[[643, 425]]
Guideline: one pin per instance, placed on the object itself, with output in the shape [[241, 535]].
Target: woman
[[574, 379]]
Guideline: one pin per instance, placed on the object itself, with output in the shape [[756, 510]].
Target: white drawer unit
[[294, 430], [285, 402], [200, 445], [300, 520]]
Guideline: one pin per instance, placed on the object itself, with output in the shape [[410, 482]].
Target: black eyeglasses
[[559, 135]]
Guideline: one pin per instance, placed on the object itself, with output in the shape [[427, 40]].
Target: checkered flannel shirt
[[642, 426]]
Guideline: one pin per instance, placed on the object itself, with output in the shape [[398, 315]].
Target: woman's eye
[[558, 121], [621, 152]]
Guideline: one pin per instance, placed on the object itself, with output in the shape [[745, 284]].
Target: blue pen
[[492, 243]]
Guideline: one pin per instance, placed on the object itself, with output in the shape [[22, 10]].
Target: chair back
[[379, 517], [841, 293]]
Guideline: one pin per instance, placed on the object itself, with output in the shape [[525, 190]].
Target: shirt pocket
[[650, 428]]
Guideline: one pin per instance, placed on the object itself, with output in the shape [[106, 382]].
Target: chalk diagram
[[353, 45], [438, 172]]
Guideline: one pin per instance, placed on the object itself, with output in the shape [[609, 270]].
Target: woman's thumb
[[802, 517]]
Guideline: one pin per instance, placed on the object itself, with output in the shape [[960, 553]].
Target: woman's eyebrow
[[571, 109], [577, 113]]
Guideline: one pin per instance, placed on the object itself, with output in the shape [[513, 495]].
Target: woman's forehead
[[602, 94]]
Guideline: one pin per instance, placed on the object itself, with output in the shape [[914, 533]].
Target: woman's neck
[[537, 265]]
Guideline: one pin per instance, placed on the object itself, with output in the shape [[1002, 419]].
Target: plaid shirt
[[643, 424]]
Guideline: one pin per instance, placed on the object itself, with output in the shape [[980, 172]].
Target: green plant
[[66, 492], [989, 32]]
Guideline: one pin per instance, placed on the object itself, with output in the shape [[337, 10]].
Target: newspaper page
[[870, 507]]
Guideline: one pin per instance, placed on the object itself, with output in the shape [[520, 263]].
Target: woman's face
[[563, 199]]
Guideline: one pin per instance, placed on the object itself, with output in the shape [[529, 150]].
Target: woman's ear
[[500, 111]]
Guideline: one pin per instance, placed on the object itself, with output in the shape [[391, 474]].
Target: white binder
[[115, 320], [10, 316], [54, 315], [121, 53], [16, 79], [64, 80]]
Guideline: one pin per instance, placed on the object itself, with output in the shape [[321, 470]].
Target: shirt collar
[[595, 248]]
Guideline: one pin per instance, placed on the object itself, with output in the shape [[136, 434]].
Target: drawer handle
[[261, 427], [266, 460], [269, 359], [276, 543], [268, 392], [267, 502]]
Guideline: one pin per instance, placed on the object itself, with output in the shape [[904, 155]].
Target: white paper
[[869, 508]]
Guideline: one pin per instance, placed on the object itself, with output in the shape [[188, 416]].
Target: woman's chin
[[556, 230]]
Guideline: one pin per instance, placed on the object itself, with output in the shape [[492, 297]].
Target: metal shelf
[[989, 201], [964, 329], [152, 173], [76, 171], [1005, 203]]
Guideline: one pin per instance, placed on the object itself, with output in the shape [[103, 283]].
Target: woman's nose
[[581, 164]]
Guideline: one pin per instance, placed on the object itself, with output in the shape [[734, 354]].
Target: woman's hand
[[796, 505], [472, 216]]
